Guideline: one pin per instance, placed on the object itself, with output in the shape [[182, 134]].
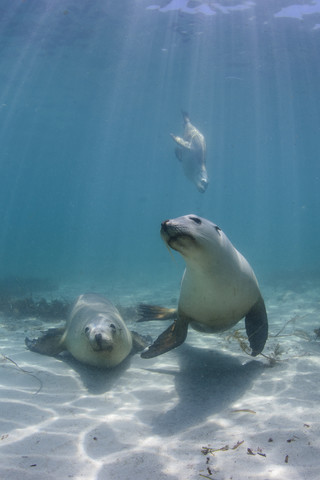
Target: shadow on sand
[[206, 383], [96, 380]]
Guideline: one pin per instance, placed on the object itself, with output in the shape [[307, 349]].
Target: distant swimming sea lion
[[95, 334], [218, 287], [191, 152]]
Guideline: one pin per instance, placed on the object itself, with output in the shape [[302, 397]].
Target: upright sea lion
[[191, 152], [95, 334], [218, 287]]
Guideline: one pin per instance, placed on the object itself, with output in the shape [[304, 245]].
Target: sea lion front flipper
[[180, 141], [140, 342], [257, 327], [50, 343], [169, 339]]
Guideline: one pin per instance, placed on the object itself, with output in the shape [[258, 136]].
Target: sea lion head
[[101, 334], [201, 180], [193, 237]]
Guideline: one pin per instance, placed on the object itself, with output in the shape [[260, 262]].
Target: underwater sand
[[151, 419]]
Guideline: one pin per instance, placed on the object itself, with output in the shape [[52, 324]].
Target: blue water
[[89, 92]]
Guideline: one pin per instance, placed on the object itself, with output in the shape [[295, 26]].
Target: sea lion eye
[[86, 330], [112, 326], [218, 229], [196, 220]]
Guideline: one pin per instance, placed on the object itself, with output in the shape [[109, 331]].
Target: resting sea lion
[[218, 287], [191, 152], [95, 334]]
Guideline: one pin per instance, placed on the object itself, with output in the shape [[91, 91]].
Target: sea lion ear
[[218, 229]]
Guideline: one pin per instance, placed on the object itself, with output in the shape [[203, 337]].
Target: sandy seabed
[[204, 410]]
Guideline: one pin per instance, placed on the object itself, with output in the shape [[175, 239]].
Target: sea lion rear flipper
[[154, 312], [169, 339], [140, 342], [257, 327], [50, 343]]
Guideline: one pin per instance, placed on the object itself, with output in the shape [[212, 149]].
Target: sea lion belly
[[213, 303]]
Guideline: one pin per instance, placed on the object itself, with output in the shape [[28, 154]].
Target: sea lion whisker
[[171, 254]]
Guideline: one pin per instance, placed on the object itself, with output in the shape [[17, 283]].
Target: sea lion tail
[[154, 312]]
